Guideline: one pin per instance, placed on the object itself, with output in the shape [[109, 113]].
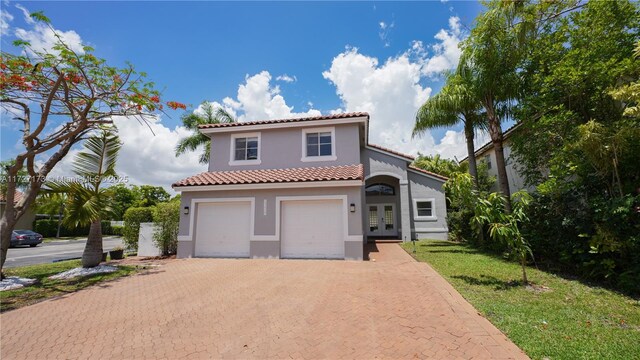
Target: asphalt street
[[53, 251]]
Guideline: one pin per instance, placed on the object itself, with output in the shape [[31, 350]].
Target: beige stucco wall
[[25, 222], [516, 181]]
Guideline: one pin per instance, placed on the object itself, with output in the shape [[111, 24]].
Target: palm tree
[[88, 202], [490, 58], [453, 104], [209, 115]]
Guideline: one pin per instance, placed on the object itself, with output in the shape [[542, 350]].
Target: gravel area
[[14, 282], [70, 274]]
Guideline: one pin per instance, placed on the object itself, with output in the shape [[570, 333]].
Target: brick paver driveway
[[224, 308]]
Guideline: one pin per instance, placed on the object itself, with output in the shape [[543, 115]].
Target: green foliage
[[205, 114], [49, 228], [87, 201], [461, 198], [117, 230], [122, 198], [148, 195], [579, 142], [504, 227], [132, 219], [22, 180], [166, 218], [438, 165]]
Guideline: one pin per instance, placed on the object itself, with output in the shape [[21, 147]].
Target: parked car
[[25, 237]]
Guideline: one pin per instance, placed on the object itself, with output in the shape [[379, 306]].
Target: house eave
[[263, 186], [298, 124]]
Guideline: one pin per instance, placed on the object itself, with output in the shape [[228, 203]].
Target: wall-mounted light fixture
[[352, 207], [186, 210]]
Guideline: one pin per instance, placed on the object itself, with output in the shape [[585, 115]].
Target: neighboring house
[[487, 154], [304, 188], [26, 220]]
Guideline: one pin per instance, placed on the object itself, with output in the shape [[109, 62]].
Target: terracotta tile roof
[[266, 176], [278, 121], [406, 156], [428, 173], [16, 197]]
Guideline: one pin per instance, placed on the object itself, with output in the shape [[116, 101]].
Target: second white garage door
[[222, 229], [312, 229]]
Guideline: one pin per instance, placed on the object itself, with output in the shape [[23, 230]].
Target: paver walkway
[[393, 307]]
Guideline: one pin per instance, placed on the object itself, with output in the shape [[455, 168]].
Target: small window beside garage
[[424, 209], [318, 144], [379, 189], [245, 149]]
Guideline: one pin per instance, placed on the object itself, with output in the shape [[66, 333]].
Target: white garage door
[[222, 229], [312, 229]]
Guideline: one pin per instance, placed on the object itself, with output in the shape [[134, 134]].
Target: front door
[[382, 220]]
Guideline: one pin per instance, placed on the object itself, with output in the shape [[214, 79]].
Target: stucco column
[[405, 214]]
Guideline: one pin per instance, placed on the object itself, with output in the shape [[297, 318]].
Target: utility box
[[146, 245]]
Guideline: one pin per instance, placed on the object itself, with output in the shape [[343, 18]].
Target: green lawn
[[45, 288], [569, 321]]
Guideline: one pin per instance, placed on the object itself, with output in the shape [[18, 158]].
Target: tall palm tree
[[453, 104], [209, 115], [490, 59], [88, 202]]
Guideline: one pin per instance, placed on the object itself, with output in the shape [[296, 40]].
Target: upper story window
[[380, 189], [245, 149], [319, 144]]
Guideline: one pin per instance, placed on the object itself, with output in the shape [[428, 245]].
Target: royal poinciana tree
[[59, 97]]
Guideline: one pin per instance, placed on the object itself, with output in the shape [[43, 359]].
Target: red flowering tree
[[59, 97]]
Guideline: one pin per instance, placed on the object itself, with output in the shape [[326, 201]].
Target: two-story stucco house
[[487, 154], [304, 188]]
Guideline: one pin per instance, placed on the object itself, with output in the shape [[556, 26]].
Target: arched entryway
[[382, 207]]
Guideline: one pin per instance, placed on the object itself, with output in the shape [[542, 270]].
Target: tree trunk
[[7, 223], [59, 220], [496, 138], [13, 211], [523, 262], [473, 167], [92, 255]]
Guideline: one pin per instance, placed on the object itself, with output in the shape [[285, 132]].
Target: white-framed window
[[319, 144], [424, 209], [245, 149]]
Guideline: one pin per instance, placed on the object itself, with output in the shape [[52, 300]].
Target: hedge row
[[49, 228]]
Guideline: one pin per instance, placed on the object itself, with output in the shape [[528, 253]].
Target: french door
[[381, 220]]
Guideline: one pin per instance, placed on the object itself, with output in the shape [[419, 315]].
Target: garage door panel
[[223, 229], [312, 229]]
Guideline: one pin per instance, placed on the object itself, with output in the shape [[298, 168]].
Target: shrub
[[166, 217], [49, 228], [117, 230], [132, 219]]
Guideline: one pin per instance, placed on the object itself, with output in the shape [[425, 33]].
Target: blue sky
[[380, 57]]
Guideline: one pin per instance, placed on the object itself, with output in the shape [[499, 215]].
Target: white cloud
[[257, 99], [5, 19], [43, 38], [447, 53], [385, 29], [287, 78], [391, 92], [146, 158], [454, 145]]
